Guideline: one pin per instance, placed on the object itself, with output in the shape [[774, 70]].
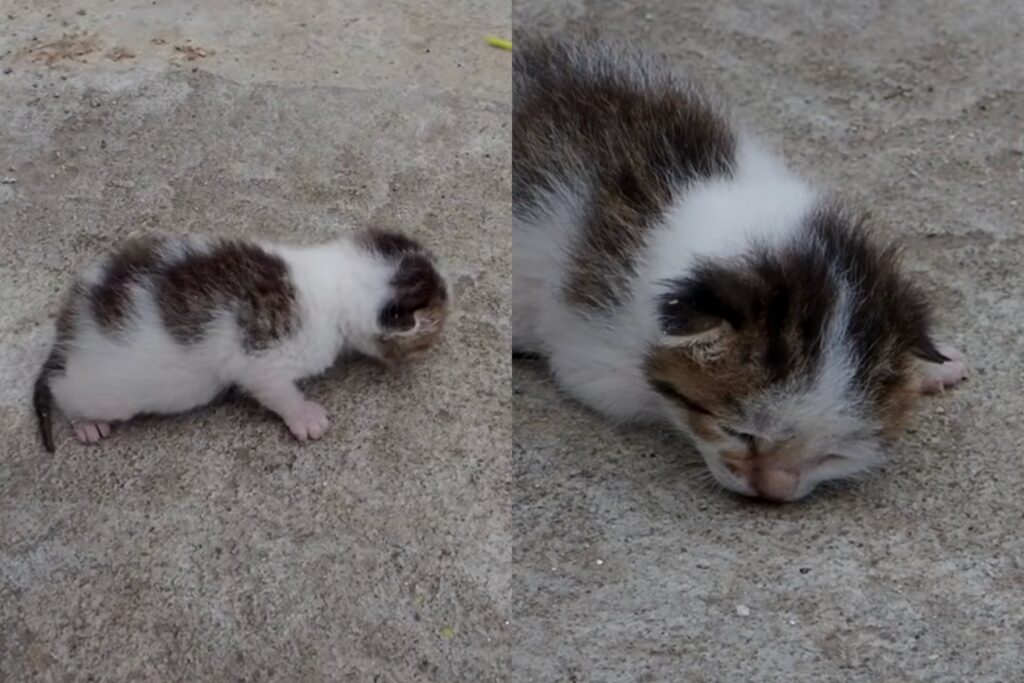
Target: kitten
[[669, 268], [167, 324]]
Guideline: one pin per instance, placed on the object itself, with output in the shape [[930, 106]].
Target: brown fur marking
[[232, 276], [392, 245], [623, 127], [717, 386], [112, 296]]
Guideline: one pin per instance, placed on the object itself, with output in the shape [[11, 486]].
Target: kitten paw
[[936, 377], [308, 422], [91, 431]]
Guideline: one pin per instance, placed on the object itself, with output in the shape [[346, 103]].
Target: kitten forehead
[[764, 203]]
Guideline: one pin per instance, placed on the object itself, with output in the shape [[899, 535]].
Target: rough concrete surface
[[628, 568], [211, 547]]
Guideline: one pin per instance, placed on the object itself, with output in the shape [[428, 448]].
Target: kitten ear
[[703, 346], [926, 350], [700, 334], [416, 285], [698, 317]]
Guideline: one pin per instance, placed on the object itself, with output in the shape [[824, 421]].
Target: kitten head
[[792, 365], [413, 315]]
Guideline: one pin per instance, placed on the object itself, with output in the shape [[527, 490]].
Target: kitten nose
[[776, 483]]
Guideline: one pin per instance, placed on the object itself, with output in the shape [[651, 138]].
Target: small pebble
[[743, 610], [940, 410], [598, 562]]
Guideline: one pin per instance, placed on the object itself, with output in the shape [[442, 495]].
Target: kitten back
[[192, 282], [622, 133], [230, 276]]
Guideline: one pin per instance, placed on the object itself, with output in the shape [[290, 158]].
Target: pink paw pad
[[91, 431], [309, 421], [937, 377]]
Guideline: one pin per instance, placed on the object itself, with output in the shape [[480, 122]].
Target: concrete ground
[[626, 568], [211, 547]]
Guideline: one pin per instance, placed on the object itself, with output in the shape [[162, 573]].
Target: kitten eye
[[396, 317], [742, 436], [831, 459], [670, 392]]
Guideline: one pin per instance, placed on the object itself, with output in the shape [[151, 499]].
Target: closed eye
[[670, 392], [742, 436], [831, 459]]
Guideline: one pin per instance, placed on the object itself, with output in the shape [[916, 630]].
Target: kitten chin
[[668, 266]]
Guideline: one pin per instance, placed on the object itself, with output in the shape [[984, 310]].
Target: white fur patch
[[763, 203]]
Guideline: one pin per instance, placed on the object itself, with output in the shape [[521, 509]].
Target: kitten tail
[[42, 399]]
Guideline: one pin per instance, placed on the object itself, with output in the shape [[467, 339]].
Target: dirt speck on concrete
[[70, 48]]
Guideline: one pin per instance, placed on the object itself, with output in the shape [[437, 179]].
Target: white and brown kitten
[[670, 268], [167, 324]]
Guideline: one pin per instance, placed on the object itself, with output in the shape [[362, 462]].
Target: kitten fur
[[166, 324], [671, 269]]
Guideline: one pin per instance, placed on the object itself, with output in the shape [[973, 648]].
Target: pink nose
[[776, 483]]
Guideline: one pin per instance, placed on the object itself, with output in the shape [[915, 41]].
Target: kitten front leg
[[936, 377], [305, 419]]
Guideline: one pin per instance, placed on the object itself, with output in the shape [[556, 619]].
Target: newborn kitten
[[670, 268], [167, 324]]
